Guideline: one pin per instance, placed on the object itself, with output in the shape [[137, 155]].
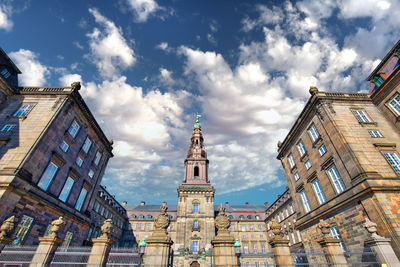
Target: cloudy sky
[[148, 66]]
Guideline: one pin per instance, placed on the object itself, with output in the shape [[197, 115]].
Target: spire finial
[[197, 124]]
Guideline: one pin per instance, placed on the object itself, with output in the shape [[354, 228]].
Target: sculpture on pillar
[[7, 227], [276, 230], [324, 227], [107, 228], [162, 220], [371, 228], [76, 85], [56, 226], [222, 221]]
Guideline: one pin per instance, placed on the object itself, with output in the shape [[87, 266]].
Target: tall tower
[[195, 217]]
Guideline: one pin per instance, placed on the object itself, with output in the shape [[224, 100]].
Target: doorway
[[195, 264]]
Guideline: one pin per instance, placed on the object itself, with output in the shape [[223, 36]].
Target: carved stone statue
[[7, 227], [371, 227], [76, 86], [56, 226], [324, 227], [222, 221], [276, 229], [107, 228], [313, 90], [162, 220]]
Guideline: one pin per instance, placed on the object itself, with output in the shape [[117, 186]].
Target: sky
[[147, 67]]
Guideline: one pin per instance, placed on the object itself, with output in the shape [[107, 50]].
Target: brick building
[[53, 156], [341, 160]]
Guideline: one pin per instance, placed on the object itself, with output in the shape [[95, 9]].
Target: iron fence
[[17, 256], [71, 256], [124, 257]]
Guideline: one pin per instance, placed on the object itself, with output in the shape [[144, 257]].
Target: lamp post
[[142, 249], [238, 251]]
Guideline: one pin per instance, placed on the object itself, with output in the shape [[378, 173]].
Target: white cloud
[[143, 8], [33, 72], [164, 46], [5, 21], [68, 79], [266, 16], [166, 77], [109, 49]]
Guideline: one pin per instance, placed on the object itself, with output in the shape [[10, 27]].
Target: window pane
[[97, 158], [91, 173], [375, 133], [22, 229], [73, 129], [313, 132], [302, 148], [195, 208], [395, 103], [23, 110], [64, 146], [79, 161], [66, 189], [87, 145], [67, 241], [291, 161], [336, 179], [8, 128], [81, 199], [322, 150], [319, 192], [361, 116], [393, 160], [305, 201], [47, 176]]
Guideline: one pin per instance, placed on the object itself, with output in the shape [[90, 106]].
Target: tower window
[[196, 172], [197, 142], [195, 224], [195, 208]]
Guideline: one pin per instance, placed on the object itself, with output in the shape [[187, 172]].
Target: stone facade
[[53, 156], [341, 161]]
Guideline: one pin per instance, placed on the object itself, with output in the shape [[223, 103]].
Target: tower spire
[[196, 162]]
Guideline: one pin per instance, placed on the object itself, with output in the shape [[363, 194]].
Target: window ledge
[[304, 157], [317, 142], [385, 145], [371, 123]]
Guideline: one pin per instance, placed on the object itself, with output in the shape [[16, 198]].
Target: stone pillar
[[224, 251], [48, 245], [158, 246], [101, 246], [6, 228], [381, 246], [331, 246], [280, 246]]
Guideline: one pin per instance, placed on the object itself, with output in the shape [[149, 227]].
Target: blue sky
[[148, 66]]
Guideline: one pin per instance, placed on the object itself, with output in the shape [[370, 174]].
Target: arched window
[[257, 217], [141, 216], [197, 142], [230, 217], [249, 217], [195, 224], [241, 217], [149, 217], [196, 172], [134, 216]]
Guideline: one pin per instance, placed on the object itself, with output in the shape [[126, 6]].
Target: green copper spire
[[197, 124]]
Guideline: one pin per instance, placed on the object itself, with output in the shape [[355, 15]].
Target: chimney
[[165, 202], [142, 203], [266, 204], [247, 204], [227, 204], [124, 203]]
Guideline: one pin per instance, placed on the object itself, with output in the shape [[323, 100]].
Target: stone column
[[331, 246], [6, 228], [381, 245], [48, 245], [101, 246], [224, 251], [280, 246], [158, 246]]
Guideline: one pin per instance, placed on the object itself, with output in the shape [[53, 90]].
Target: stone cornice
[[310, 108]]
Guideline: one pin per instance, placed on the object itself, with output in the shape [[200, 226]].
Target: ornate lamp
[[142, 246], [238, 251]]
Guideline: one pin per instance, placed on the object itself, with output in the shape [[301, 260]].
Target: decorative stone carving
[[279, 144], [162, 220], [222, 221], [76, 86], [56, 226], [7, 227], [371, 228], [313, 90], [276, 229], [107, 228], [324, 227]]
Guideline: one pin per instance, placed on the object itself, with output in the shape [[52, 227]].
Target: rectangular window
[[336, 179], [67, 241], [333, 232], [251, 227], [395, 103], [291, 209], [91, 173], [298, 235], [255, 251], [243, 227], [195, 208], [81, 199], [306, 203], [313, 132], [48, 176], [263, 248], [319, 192], [23, 110], [97, 206], [308, 164], [97, 158], [138, 226], [361, 115], [64, 146], [246, 248], [74, 129], [302, 148], [195, 246], [375, 134], [393, 160], [8, 128], [147, 227], [296, 176], [22, 229], [291, 161], [5, 73], [293, 238], [66, 189], [79, 161], [322, 149], [86, 146]]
